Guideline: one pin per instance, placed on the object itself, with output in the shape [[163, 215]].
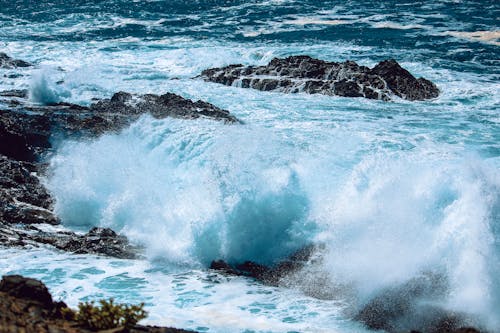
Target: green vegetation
[[106, 315]]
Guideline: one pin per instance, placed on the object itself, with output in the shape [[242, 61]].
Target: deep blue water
[[391, 190]]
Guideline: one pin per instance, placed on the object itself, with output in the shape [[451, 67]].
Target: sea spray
[[197, 191], [400, 217], [44, 88], [348, 167], [189, 194]]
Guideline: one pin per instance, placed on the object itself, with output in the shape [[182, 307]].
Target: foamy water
[[391, 191]]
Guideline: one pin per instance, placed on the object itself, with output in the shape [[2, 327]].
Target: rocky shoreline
[[27, 306], [27, 218], [348, 79], [26, 134]]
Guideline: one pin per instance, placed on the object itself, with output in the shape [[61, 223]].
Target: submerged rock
[[8, 62], [271, 275], [20, 93], [410, 307], [305, 74], [27, 306]]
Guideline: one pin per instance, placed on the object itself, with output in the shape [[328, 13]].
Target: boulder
[[305, 74], [26, 288], [412, 306], [98, 241], [8, 62], [271, 275]]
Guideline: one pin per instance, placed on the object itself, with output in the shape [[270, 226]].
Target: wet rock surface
[[27, 306], [411, 308], [99, 241], [271, 275], [305, 74], [26, 135], [405, 308], [161, 106], [8, 62]]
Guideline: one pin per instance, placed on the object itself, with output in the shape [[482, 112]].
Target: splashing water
[[392, 193]]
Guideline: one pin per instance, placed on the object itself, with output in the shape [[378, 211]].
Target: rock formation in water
[[410, 307], [27, 306], [305, 74], [271, 275], [413, 306], [26, 132], [8, 62]]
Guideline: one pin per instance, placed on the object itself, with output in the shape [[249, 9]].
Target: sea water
[[388, 190]]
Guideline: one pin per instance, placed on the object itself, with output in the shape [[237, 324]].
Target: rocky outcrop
[[23, 199], [160, 106], [99, 241], [305, 74], [27, 306], [26, 135], [411, 307], [26, 130], [8, 62], [406, 308], [271, 275]]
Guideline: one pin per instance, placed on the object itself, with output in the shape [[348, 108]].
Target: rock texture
[[411, 307], [268, 275], [26, 134], [99, 241], [405, 308], [8, 62], [26, 306], [305, 74]]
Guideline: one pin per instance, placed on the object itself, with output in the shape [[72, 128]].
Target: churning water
[[391, 191]]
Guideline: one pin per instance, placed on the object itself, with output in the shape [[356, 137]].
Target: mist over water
[[391, 193]]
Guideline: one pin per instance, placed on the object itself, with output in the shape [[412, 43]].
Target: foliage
[[109, 315], [67, 313]]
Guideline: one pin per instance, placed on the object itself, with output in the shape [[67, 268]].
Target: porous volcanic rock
[[305, 74]]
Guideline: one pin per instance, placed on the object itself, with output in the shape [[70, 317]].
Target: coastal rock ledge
[[305, 74], [27, 134], [27, 306]]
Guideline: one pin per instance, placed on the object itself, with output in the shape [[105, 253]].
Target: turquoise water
[[391, 189]]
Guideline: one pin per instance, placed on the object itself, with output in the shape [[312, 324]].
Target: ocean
[[390, 191]]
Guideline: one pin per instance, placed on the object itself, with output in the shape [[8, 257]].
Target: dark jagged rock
[[26, 135], [403, 84], [23, 199], [27, 306], [305, 74], [20, 93], [26, 288], [405, 308], [25, 131], [268, 275], [161, 106], [99, 241], [8, 62], [409, 308]]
